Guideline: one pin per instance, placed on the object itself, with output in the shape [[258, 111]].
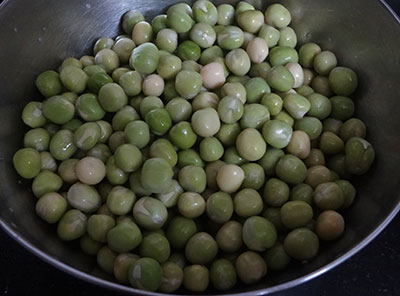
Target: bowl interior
[[38, 35]]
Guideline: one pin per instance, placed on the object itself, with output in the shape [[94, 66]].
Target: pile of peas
[[201, 148]]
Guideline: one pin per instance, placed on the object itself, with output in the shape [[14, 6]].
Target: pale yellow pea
[[257, 49], [153, 85], [90, 170], [213, 75], [297, 71], [230, 177]]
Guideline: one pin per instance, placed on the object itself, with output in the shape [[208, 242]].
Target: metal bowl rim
[[115, 286]]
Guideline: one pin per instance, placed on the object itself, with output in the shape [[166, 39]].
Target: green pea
[[47, 161], [280, 79], [328, 196], [74, 79], [250, 144], [254, 116], [302, 192], [211, 149], [330, 143], [228, 133], [97, 80], [182, 135], [137, 133], [189, 157], [159, 121], [46, 182], [114, 174], [131, 83], [238, 61], [282, 55], [287, 37], [188, 83], [273, 102], [62, 145], [291, 170], [87, 135], [142, 33], [343, 81], [359, 155], [307, 53], [171, 196], [167, 39], [37, 138], [277, 133], [353, 127], [159, 22], [320, 84], [116, 139], [260, 69], [305, 90], [130, 19], [276, 192], [256, 88], [191, 204], [247, 203], [259, 234], [274, 216], [250, 267], [284, 117], [145, 274], [180, 230], [254, 176], [295, 214], [230, 38], [196, 278], [145, 58], [32, 115], [223, 274], [106, 259], [128, 157], [201, 248], [58, 109], [122, 265], [324, 62], [296, 105], [320, 106], [179, 109], [98, 227], [163, 148], [277, 258], [93, 69], [155, 246], [278, 16], [123, 48], [169, 66], [219, 207], [89, 108], [49, 84], [112, 97], [150, 213], [189, 51], [172, 277], [270, 159], [301, 244], [270, 35], [156, 175], [193, 178], [203, 34], [150, 103], [234, 89], [179, 21], [312, 126], [136, 185], [204, 100], [208, 54], [72, 225], [342, 108]]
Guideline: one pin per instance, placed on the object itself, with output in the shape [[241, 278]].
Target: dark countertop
[[373, 271]]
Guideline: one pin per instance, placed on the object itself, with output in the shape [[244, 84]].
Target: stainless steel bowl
[[38, 35]]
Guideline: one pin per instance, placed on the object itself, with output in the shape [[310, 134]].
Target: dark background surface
[[373, 271]]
